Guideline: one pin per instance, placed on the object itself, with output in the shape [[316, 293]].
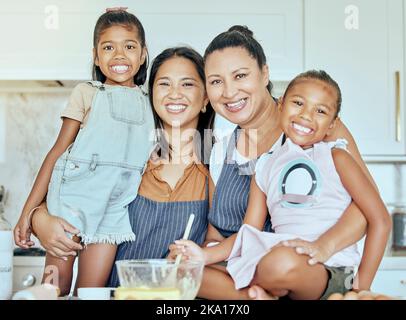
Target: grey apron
[[157, 225], [230, 199]]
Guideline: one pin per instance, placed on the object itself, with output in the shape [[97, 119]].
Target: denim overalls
[[98, 176]]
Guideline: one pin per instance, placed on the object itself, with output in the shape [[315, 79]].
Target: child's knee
[[281, 264], [279, 292]]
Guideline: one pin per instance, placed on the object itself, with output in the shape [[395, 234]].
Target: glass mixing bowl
[[158, 279]]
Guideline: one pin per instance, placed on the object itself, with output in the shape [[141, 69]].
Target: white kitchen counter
[[393, 263], [390, 278]]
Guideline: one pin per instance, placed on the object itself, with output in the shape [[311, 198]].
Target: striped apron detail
[[159, 224], [230, 198]]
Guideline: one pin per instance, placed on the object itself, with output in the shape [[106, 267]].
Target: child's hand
[[22, 233], [317, 252], [188, 249]]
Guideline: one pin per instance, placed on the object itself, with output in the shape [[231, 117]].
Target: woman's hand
[[50, 231], [188, 249], [318, 252], [22, 232]]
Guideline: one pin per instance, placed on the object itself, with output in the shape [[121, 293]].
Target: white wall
[[2, 132], [32, 123], [391, 181]]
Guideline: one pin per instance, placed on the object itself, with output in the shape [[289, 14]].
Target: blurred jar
[[398, 211]]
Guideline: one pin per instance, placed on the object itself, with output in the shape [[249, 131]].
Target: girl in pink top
[[305, 185]]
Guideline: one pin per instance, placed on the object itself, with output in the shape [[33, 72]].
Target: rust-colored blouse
[[190, 187]]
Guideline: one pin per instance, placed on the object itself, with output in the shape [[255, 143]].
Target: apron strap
[[231, 146]]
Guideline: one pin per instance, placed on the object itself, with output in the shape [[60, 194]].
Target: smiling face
[[308, 111], [236, 85], [178, 94], [119, 55]]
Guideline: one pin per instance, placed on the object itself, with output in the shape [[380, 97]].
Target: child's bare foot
[[257, 293]]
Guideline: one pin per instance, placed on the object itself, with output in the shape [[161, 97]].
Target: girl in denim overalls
[[101, 152]]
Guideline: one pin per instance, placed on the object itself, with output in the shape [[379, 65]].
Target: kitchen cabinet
[[360, 43], [53, 40], [391, 277], [46, 40], [27, 271], [277, 25]]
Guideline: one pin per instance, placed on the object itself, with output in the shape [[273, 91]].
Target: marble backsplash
[[32, 122]]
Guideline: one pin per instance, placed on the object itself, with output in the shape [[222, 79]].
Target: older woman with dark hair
[[238, 86]]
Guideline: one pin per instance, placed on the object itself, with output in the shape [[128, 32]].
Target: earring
[[203, 109]]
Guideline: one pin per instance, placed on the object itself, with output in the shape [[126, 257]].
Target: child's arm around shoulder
[[341, 132], [351, 226], [366, 196], [361, 189], [255, 216]]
